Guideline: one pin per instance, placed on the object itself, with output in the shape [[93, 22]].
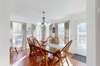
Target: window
[[82, 36], [29, 30], [37, 31], [61, 32], [17, 34], [47, 30]]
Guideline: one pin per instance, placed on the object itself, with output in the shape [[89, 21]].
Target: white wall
[[91, 60], [4, 33], [97, 32]]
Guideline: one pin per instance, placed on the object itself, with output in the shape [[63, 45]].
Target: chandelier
[[43, 17], [43, 26]]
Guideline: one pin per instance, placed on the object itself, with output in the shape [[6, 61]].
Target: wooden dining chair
[[38, 51], [32, 47], [60, 56], [66, 52]]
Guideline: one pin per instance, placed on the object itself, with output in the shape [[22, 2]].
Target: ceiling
[[55, 9]]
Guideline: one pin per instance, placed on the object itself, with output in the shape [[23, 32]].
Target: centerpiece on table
[[54, 39]]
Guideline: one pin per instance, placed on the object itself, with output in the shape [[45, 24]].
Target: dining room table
[[53, 49]]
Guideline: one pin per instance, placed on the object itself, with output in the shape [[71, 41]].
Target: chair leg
[[61, 62], [30, 55], [67, 61], [16, 50], [46, 60], [39, 64]]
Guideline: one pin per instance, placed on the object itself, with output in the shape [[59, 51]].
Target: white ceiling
[[55, 9]]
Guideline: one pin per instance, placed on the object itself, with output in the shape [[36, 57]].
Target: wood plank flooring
[[31, 61]]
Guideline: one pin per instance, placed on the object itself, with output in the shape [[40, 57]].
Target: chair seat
[[37, 53]]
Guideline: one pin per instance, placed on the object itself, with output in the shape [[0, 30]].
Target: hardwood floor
[[14, 57], [22, 59]]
